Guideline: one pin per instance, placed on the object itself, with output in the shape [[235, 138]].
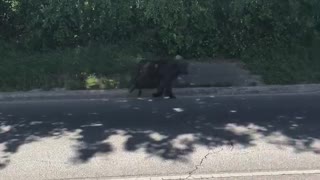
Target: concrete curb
[[298, 174], [253, 90], [123, 93]]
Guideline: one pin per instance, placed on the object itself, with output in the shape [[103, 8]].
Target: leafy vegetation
[[53, 43]]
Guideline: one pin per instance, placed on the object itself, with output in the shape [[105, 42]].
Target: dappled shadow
[[170, 129]]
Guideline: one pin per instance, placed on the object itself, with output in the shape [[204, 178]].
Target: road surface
[[226, 137]]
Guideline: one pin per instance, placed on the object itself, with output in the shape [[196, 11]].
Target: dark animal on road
[[146, 77], [158, 74]]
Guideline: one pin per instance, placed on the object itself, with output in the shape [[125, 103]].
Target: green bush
[[195, 28]]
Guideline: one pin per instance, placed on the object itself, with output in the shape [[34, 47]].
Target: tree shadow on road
[[169, 129]]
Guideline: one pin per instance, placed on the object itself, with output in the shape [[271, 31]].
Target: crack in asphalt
[[201, 162], [211, 152]]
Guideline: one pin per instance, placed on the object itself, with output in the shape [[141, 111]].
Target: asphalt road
[[244, 137]]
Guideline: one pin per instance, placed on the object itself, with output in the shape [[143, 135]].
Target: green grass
[[68, 68], [283, 66]]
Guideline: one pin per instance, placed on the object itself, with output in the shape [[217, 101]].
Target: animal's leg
[[168, 90], [139, 93], [132, 89], [160, 89]]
